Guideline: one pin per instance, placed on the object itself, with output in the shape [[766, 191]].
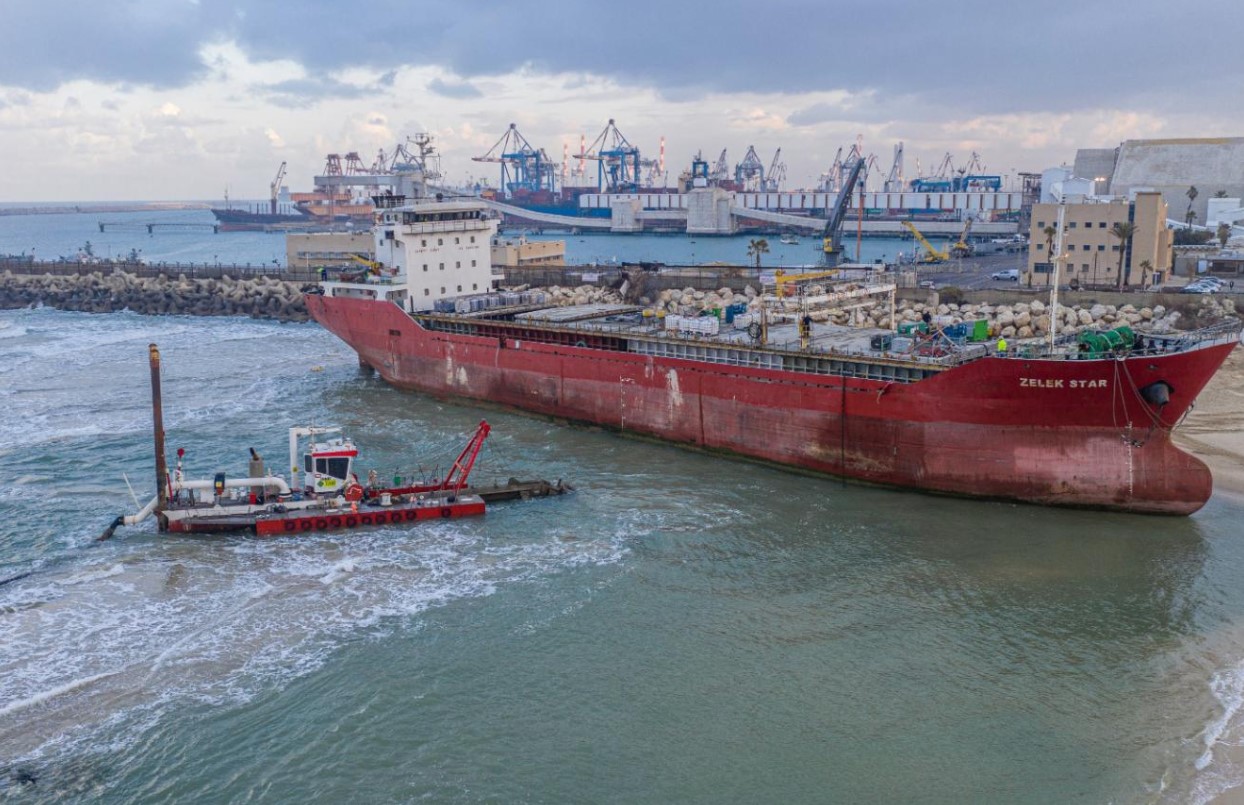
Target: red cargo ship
[[1051, 424]]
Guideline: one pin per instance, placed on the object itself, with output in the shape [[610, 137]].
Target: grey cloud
[[302, 92], [457, 89], [967, 56]]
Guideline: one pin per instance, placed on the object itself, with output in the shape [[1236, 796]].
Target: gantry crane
[[749, 174], [524, 168], [619, 160]]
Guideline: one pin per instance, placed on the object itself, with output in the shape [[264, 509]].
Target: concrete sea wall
[[111, 291]]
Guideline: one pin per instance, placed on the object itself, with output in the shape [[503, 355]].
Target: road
[[972, 273]]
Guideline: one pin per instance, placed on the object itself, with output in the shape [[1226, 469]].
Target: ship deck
[[831, 349]]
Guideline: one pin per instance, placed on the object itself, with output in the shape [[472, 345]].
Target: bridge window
[[427, 291], [423, 242], [442, 289], [457, 240], [472, 238], [442, 266], [457, 264], [425, 266], [459, 289], [440, 241]]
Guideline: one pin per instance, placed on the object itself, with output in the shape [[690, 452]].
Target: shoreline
[[1214, 429]]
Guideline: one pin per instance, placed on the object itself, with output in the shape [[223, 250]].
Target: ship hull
[[1068, 433]]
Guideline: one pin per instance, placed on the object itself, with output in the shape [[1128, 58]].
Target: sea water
[[682, 628], [182, 237]]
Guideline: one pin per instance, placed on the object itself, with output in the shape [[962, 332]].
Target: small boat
[[323, 492], [789, 240]]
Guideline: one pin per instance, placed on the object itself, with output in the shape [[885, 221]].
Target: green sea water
[[683, 628]]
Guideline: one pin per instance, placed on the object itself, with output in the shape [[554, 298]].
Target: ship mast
[[1054, 273]]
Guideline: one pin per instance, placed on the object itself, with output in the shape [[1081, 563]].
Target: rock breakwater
[[108, 292]]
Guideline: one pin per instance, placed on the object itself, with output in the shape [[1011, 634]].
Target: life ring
[[351, 521], [354, 493], [335, 522], [321, 523], [447, 512]]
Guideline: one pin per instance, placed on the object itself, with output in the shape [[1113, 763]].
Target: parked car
[[1197, 287], [1009, 274]]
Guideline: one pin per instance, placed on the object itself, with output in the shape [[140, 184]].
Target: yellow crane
[[931, 254], [781, 279], [963, 248], [372, 264]]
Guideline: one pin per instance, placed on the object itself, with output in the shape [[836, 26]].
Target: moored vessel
[[1076, 421]]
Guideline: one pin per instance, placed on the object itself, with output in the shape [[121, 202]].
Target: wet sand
[[1214, 429]]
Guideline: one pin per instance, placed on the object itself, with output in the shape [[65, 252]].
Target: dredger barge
[[323, 492]]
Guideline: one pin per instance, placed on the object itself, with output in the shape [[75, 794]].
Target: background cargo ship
[[1060, 425]]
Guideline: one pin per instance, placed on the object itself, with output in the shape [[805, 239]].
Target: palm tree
[[757, 247], [1224, 233], [1123, 231], [1146, 268], [1049, 233], [1192, 193]]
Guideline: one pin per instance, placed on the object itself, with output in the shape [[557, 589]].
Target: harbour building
[[1090, 246]]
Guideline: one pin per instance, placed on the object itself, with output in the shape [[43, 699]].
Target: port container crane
[[524, 168], [749, 174], [618, 160]]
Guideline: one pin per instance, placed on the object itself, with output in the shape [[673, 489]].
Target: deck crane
[[830, 247], [276, 186], [619, 160], [931, 254], [776, 176], [749, 174], [524, 168]]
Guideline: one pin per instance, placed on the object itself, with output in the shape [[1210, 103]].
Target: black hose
[[110, 530]]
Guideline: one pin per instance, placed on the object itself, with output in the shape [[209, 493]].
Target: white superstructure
[[426, 249]]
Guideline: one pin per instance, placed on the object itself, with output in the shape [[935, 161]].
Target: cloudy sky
[[179, 99]]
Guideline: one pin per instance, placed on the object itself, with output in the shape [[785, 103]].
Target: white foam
[[1228, 688], [52, 693]]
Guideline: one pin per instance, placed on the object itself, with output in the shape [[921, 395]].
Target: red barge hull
[[1057, 432]]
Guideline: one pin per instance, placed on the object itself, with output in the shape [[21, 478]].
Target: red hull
[[274, 525], [1072, 433]]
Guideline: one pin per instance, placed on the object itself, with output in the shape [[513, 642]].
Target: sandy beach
[[1214, 429]]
